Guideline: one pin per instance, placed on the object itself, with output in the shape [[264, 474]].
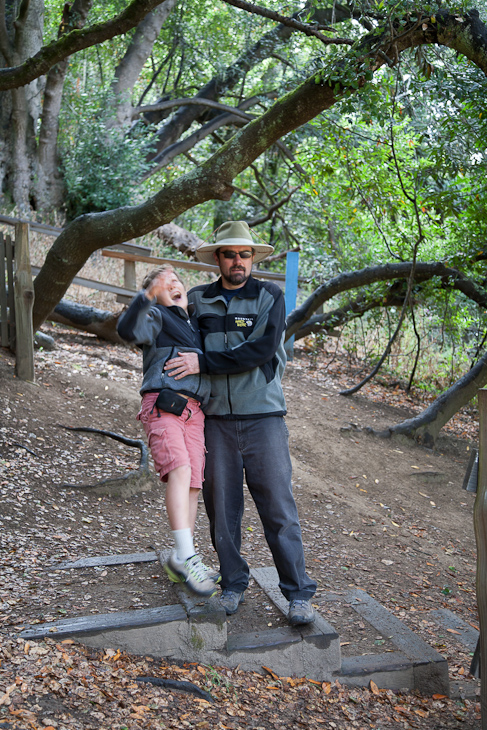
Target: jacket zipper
[[225, 339]]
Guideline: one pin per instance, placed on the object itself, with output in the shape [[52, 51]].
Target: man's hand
[[186, 364]]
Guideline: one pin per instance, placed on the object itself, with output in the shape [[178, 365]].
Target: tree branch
[[426, 426], [213, 179], [182, 120], [289, 22], [387, 272], [272, 209], [348, 312], [76, 40], [197, 101]]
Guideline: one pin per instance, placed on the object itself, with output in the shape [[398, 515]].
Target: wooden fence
[[17, 299], [17, 293]]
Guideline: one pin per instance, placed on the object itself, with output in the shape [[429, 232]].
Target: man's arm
[[259, 348]]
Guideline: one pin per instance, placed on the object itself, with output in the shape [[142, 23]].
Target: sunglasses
[[234, 254]]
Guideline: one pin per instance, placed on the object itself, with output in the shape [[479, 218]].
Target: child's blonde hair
[[155, 272]]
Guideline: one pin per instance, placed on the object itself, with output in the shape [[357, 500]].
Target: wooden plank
[[193, 265], [4, 339], [136, 619], [24, 302], [97, 560], [389, 625], [130, 247], [99, 285], [9, 257], [464, 633], [39, 227], [266, 639]]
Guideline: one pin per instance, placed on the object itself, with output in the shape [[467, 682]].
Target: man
[[242, 322]]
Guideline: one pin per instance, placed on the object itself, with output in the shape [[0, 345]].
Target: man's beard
[[236, 277]]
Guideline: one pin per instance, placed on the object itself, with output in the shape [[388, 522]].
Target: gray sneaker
[[300, 612], [192, 573], [213, 574], [230, 601]]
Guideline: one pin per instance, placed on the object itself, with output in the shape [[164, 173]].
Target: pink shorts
[[175, 440]]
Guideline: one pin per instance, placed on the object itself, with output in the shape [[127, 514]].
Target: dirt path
[[385, 516]]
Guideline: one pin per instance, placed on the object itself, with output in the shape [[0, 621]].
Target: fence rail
[[17, 293]]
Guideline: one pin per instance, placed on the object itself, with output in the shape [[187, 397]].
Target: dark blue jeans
[[258, 446]]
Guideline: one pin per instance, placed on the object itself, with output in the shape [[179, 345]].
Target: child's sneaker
[[213, 574], [192, 573]]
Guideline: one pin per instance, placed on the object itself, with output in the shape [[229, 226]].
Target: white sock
[[183, 540]]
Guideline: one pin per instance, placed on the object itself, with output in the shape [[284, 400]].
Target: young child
[[158, 320]]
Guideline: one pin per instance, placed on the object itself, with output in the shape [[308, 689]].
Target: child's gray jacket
[[162, 332]]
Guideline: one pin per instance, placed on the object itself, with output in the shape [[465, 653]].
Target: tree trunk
[[20, 164], [49, 185], [425, 427], [98, 322], [129, 68], [21, 40]]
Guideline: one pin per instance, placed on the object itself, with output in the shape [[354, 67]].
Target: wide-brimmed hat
[[232, 233]]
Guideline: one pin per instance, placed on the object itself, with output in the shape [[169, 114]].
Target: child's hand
[[168, 291], [186, 364], [154, 288]]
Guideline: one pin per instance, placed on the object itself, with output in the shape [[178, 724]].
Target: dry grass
[[109, 271]]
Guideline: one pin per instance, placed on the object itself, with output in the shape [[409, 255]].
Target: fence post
[[480, 525], [291, 292], [129, 276], [24, 302]]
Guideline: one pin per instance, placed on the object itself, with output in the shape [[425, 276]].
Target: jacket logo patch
[[243, 322]]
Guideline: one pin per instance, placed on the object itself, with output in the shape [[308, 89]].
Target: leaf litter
[[360, 510]]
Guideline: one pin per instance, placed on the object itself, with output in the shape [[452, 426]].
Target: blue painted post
[[291, 292], [480, 526]]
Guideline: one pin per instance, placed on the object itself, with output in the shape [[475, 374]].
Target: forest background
[[353, 133]]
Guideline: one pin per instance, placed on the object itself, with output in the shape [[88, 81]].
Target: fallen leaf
[[273, 674], [373, 687], [5, 699]]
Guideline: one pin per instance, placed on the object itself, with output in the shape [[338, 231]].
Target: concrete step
[[196, 630]]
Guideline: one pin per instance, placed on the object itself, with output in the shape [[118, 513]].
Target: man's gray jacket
[[243, 345]]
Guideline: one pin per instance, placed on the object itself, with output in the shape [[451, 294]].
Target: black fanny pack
[[171, 402]]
